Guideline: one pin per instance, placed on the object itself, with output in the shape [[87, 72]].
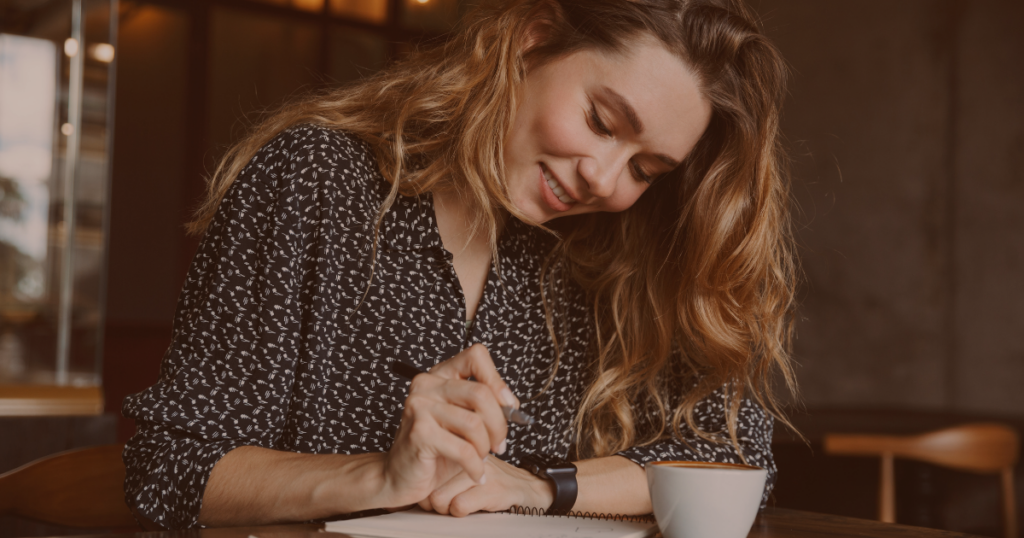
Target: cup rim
[[704, 465]]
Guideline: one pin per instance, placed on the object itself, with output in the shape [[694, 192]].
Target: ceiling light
[[71, 47], [103, 52]]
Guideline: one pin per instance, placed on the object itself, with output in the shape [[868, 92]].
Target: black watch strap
[[561, 473]]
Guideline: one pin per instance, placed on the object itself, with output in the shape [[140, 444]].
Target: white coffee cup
[[705, 500]]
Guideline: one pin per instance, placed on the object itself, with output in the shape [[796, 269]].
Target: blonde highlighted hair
[[697, 277]]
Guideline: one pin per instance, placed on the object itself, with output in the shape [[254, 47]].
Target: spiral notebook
[[416, 523]]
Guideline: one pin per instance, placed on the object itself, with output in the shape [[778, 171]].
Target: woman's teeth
[[557, 189]]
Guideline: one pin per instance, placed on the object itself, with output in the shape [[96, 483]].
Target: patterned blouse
[[282, 340]]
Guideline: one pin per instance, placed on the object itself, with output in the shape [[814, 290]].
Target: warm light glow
[[67, 129], [309, 5], [103, 52], [71, 47], [375, 11], [423, 1]]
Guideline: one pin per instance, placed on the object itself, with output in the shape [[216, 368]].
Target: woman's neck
[[469, 244]]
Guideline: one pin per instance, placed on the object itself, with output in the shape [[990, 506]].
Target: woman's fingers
[[466, 424], [484, 425], [436, 423], [450, 423], [441, 498], [475, 500], [425, 440], [458, 450], [475, 361], [506, 486], [480, 399]]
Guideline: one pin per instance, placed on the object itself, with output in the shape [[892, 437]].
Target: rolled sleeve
[[754, 433]]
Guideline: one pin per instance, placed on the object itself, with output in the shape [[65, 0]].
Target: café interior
[[904, 123]]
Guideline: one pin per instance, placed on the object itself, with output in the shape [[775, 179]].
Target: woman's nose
[[601, 172]]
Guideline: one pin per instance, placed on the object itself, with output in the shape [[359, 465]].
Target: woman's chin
[[530, 212]]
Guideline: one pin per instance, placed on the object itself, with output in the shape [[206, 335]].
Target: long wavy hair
[[694, 283]]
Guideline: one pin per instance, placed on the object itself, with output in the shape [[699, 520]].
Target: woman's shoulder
[[308, 156]]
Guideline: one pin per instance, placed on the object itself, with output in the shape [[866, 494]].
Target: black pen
[[402, 369]]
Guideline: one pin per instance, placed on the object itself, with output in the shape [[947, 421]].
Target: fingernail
[[507, 398], [483, 480], [503, 446], [485, 458]]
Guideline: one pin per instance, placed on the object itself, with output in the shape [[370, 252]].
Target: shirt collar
[[409, 225]]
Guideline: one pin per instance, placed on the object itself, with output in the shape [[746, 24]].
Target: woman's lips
[[553, 193]]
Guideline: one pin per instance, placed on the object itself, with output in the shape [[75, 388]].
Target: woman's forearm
[[252, 485], [612, 485]]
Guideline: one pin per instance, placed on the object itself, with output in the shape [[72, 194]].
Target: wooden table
[[771, 523]]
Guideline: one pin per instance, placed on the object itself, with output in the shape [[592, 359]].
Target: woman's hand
[[449, 426], [506, 486]]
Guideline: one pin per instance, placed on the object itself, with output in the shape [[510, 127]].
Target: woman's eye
[[640, 174], [599, 125]]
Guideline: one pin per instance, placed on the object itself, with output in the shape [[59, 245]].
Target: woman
[[481, 211]]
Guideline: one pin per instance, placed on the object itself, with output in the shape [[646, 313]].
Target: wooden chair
[[77, 488], [979, 448]]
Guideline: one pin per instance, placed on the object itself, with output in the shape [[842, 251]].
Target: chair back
[[981, 448], [77, 488]]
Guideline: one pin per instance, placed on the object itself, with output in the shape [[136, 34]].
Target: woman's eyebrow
[[627, 110]]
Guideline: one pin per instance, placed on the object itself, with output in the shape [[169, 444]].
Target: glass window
[[55, 88], [28, 105]]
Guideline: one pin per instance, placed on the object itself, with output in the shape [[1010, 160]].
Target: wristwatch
[[562, 473]]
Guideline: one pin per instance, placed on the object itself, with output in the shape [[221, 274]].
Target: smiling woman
[[576, 203], [595, 129]]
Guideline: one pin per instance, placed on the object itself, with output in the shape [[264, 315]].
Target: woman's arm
[[449, 425], [612, 485], [256, 486]]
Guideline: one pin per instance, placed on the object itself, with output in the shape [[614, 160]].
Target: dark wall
[[989, 164], [149, 167], [907, 127], [148, 208]]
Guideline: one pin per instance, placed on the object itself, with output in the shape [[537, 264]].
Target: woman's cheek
[[558, 136]]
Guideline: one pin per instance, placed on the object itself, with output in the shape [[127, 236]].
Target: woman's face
[[594, 129]]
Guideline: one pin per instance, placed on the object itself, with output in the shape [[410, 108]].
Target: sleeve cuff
[[166, 476]]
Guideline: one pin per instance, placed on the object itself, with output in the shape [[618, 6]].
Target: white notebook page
[[416, 523]]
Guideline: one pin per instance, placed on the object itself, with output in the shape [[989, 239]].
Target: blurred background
[[905, 121]]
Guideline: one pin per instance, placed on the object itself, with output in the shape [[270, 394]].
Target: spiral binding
[[530, 511]]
